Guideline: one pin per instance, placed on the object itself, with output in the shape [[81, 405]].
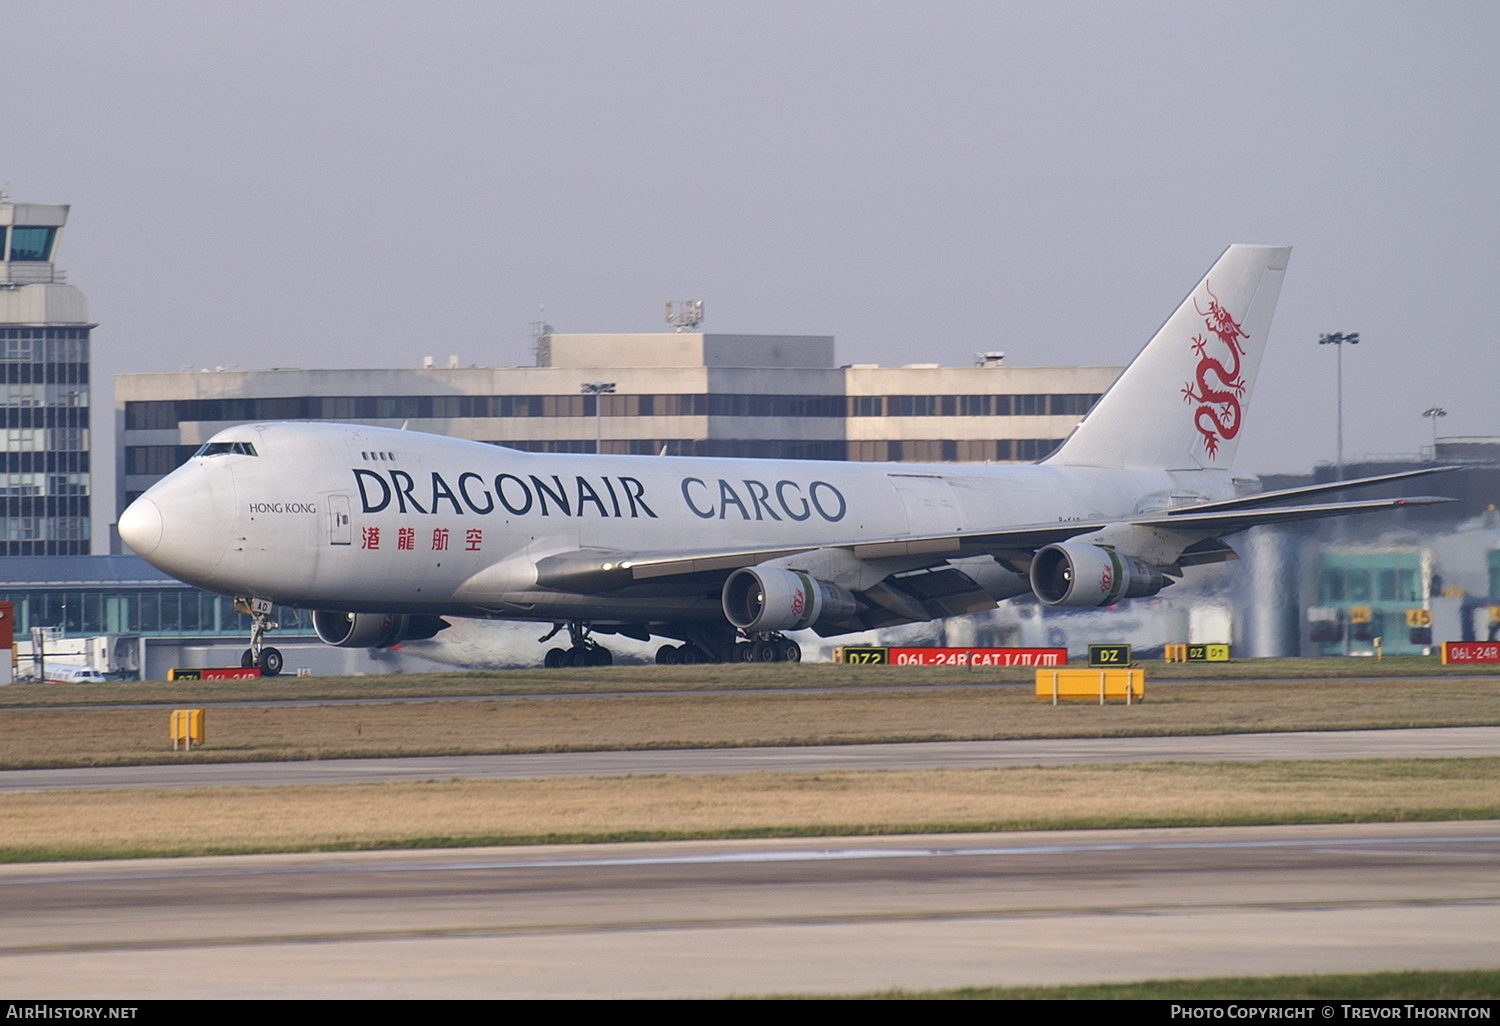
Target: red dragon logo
[[1218, 414], [799, 602]]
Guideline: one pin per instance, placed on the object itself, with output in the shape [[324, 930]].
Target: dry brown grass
[[82, 824], [62, 737]]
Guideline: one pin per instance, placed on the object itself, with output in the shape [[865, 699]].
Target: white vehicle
[[57, 674], [384, 532]]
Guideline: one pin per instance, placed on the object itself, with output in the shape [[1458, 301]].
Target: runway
[[1415, 743], [758, 917], [711, 919]]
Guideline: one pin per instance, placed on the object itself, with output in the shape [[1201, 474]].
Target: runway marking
[[733, 922], [1356, 845]]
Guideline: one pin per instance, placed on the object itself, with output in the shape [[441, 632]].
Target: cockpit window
[[220, 448]]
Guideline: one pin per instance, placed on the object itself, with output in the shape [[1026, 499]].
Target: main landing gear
[[585, 651], [259, 654], [761, 647], [704, 643]]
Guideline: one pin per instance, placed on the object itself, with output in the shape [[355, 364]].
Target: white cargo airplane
[[384, 532]]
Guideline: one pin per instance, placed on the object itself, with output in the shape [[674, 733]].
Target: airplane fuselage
[[360, 519]]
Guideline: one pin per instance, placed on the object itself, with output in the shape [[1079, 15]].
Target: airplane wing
[[1308, 491], [585, 570]]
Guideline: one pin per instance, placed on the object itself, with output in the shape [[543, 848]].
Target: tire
[[603, 657], [247, 659], [791, 652], [767, 652], [555, 659], [270, 662], [667, 656], [688, 655]]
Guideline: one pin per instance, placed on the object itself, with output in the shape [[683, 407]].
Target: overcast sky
[[265, 184]]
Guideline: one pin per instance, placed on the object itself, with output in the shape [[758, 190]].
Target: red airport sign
[[214, 673], [1471, 652], [977, 656]]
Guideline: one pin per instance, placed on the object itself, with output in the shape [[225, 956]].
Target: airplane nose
[[183, 523], [140, 526]]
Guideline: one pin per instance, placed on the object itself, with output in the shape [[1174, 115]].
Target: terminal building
[[677, 394], [44, 389]]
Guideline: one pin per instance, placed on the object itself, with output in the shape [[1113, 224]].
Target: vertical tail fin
[[1183, 399]]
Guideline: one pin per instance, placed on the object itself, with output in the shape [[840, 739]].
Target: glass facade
[[157, 460], [44, 435], [155, 612], [32, 244], [165, 414], [1372, 593]]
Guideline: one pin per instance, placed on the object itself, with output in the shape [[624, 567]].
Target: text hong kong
[[602, 496]]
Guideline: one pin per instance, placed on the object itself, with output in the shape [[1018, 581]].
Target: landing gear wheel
[[667, 656], [767, 652], [270, 662], [584, 651], [791, 652], [258, 654]]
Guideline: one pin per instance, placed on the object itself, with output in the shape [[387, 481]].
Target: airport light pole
[[598, 389], [1432, 413], [1339, 340]]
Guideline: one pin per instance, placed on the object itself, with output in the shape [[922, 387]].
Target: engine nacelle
[[1076, 574], [373, 630], [764, 598]]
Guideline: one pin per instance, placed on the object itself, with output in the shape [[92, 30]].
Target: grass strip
[[45, 826], [39, 738], [1416, 985], [680, 678]]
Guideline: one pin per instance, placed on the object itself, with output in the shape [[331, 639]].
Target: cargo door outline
[[929, 502], [340, 529]]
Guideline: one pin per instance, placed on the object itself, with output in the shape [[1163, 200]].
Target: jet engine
[[1073, 574], [764, 598], [373, 630]]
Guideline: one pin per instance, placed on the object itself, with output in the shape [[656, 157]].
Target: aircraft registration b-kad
[[384, 532]]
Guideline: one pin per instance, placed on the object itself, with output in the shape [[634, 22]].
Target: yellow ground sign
[[1117, 685], [186, 728]]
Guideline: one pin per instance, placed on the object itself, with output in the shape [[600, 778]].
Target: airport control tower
[[44, 389]]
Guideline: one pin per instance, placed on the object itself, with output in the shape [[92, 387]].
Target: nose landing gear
[[259, 654]]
